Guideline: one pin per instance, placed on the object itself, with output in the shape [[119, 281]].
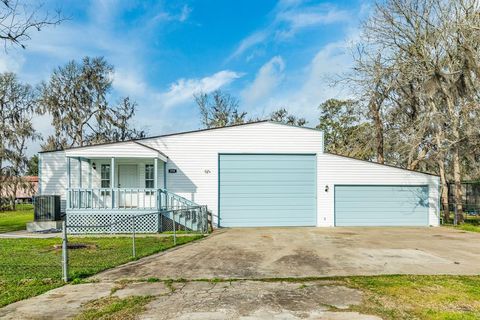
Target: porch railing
[[126, 199]]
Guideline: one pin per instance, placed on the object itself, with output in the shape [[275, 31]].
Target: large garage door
[[258, 190], [381, 205]]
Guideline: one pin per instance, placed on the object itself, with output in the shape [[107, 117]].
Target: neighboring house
[[26, 189], [26, 193], [255, 174]]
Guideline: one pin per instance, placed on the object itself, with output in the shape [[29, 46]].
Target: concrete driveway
[[266, 253], [255, 253]]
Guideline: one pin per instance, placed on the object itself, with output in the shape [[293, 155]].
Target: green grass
[[113, 308], [468, 227], [419, 297], [16, 220], [29, 267]]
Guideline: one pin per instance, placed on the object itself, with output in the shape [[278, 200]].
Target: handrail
[[125, 199], [137, 202]]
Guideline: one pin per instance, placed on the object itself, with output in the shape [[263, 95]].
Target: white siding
[[195, 155], [53, 174], [336, 170]]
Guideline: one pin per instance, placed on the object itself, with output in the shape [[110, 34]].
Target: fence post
[[455, 219], [64, 251], [205, 214], [134, 252], [174, 229]]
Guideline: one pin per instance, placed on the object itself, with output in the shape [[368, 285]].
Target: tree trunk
[[444, 190], [413, 164], [378, 125], [14, 196], [457, 177]]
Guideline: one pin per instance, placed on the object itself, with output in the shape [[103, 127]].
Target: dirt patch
[[75, 246], [241, 263], [304, 258], [346, 233]]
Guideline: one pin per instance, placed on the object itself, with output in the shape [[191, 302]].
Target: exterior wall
[[336, 170], [195, 157], [53, 175]]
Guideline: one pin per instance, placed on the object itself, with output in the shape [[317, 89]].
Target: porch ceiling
[[128, 149]]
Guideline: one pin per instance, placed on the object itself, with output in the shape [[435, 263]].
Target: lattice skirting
[[82, 223]]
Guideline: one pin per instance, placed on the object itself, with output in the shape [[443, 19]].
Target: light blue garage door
[[259, 190], [381, 205]]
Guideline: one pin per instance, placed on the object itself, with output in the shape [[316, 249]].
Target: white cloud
[[183, 90], [129, 83], [268, 78], [11, 61], [329, 62], [166, 16], [298, 19], [290, 17], [250, 41], [302, 91], [185, 14]]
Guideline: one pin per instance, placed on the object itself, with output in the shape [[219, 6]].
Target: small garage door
[[259, 190], [381, 205]]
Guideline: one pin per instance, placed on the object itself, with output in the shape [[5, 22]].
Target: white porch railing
[[130, 199]]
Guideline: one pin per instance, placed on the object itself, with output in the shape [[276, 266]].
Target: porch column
[[165, 175], [157, 192], [112, 178], [80, 172], [80, 182], [89, 174], [155, 173], [69, 183]]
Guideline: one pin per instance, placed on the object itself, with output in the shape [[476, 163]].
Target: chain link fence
[[92, 243]]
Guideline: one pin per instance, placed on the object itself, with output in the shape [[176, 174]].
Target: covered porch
[[112, 187], [131, 178]]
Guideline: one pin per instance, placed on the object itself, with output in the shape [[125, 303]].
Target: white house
[[256, 174]]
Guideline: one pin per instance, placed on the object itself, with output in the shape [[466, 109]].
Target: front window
[[149, 176], [105, 176]]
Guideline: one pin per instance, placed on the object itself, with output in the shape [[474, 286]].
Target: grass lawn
[[16, 220], [112, 308], [419, 297], [468, 227], [29, 267]]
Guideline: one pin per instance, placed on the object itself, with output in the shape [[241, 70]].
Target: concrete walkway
[[29, 235], [203, 300]]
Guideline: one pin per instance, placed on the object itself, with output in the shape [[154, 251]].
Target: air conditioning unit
[[47, 208]]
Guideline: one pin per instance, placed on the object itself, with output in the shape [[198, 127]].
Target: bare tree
[[418, 71], [17, 20], [282, 115], [346, 132], [115, 124], [219, 109], [17, 103], [75, 96]]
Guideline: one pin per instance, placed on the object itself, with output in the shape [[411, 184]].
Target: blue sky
[[269, 54]]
